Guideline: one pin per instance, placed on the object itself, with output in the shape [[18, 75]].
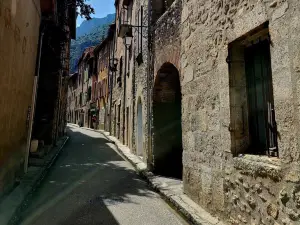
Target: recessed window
[[253, 125]]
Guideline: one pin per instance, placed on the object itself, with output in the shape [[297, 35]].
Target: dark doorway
[[127, 126], [119, 121], [115, 121], [167, 149], [140, 129]]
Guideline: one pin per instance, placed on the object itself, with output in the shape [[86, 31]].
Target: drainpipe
[[149, 124], [58, 115], [124, 99], [33, 98], [111, 85]]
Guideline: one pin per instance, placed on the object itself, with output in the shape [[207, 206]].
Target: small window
[[121, 66], [89, 94], [129, 59], [119, 80], [139, 21], [253, 125]]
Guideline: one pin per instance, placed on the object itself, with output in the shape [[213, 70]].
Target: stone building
[[112, 70], [239, 65], [58, 26], [207, 92], [122, 97], [101, 92], [130, 80], [140, 89], [220, 78], [85, 71], [165, 88], [73, 86], [146, 127]]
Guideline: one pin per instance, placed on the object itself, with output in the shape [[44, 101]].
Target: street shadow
[[88, 179]]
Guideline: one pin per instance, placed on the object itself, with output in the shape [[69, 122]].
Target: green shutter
[[260, 96]]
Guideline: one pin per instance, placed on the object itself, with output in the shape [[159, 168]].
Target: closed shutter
[[262, 127]]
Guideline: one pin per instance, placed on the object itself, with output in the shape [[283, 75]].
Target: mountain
[[90, 33], [88, 26]]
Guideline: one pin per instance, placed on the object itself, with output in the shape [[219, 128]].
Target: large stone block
[[192, 183], [205, 198], [218, 198]]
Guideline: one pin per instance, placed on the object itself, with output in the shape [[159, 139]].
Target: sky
[[102, 8]]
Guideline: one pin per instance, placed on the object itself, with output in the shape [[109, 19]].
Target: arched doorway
[[139, 130], [167, 142]]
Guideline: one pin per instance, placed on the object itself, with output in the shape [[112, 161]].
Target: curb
[[15, 218], [180, 203], [73, 124]]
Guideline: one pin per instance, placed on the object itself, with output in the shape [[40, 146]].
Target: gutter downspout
[[111, 84], [149, 61], [33, 98], [124, 99], [60, 83]]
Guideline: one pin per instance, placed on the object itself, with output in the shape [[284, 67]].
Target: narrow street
[[92, 184]]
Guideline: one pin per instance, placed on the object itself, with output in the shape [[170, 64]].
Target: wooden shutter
[[260, 98]]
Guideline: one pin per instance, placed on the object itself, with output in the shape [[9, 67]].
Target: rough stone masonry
[[206, 42], [240, 188]]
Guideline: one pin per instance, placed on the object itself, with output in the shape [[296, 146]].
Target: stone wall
[[72, 92], [118, 89], [166, 50], [247, 189], [167, 38], [139, 89], [19, 28]]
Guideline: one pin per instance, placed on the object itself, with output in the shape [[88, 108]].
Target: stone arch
[[139, 129], [167, 138]]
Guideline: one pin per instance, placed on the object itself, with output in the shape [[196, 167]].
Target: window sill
[[261, 166]]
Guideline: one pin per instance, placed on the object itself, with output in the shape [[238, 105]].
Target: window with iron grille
[[129, 59], [80, 99], [139, 35], [119, 79], [89, 93], [253, 126]]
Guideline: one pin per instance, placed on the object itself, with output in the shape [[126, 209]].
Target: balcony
[[124, 26]]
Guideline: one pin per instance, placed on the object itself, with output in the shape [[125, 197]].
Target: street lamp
[[127, 40]]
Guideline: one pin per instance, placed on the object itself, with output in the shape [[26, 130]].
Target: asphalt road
[[91, 184]]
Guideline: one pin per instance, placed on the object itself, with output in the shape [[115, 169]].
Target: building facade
[[18, 53], [139, 61], [58, 26], [241, 154], [222, 92], [85, 72], [33, 95], [101, 83], [73, 86], [207, 92], [130, 84], [140, 89], [120, 78]]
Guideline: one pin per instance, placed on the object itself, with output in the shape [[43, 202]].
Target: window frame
[[242, 137]]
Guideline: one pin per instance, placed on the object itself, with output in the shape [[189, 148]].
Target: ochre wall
[[19, 31]]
